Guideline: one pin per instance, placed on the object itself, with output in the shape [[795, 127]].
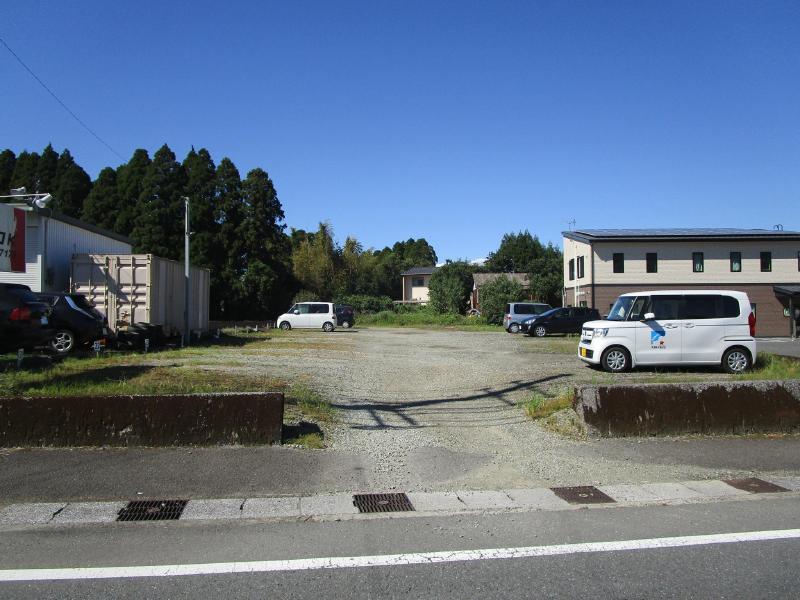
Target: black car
[[560, 320], [76, 321], [24, 319], [345, 317]]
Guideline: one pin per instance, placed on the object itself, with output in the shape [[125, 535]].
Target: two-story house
[[601, 264]]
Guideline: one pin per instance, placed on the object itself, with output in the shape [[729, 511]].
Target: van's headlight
[[601, 332]]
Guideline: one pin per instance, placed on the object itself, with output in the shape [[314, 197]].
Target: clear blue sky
[[453, 121]]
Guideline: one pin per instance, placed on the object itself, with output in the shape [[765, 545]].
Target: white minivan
[[309, 315], [673, 327]]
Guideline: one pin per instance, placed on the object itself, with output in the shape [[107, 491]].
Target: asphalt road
[[751, 569]]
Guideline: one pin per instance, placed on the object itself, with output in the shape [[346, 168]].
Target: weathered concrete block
[[168, 420], [667, 409]]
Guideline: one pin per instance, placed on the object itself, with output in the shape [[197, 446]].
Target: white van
[[673, 327], [309, 315]]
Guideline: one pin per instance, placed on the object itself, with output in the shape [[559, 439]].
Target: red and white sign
[[12, 239]]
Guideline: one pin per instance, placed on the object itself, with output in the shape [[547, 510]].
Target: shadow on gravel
[[461, 410], [292, 432]]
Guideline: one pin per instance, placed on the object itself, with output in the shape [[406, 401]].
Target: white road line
[[389, 560]]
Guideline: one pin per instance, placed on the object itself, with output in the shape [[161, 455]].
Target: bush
[[495, 294], [416, 316], [450, 287]]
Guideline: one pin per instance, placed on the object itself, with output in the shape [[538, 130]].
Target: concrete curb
[[340, 505]]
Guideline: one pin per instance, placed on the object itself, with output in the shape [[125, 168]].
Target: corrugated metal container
[[142, 288]]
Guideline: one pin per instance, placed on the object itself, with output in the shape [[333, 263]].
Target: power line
[[49, 91]]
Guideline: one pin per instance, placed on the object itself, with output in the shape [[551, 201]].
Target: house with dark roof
[[601, 264], [415, 284], [480, 279]]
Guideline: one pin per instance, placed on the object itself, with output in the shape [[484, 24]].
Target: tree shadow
[[292, 432]]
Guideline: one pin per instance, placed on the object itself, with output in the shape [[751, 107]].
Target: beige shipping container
[[142, 288]]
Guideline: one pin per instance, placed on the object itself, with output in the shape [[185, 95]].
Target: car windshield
[[621, 308], [547, 313]]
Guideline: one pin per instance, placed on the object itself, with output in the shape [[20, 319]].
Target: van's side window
[[304, 308], [639, 308], [666, 307]]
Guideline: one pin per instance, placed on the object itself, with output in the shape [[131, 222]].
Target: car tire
[[513, 328], [540, 331], [736, 360], [346, 324], [63, 342], [327, 327], [616, 360], [285, 325]]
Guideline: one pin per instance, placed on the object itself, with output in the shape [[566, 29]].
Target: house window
[[619, 262], [572, 268], [418, 281], [580, 267], [652, 262], [766, 262], [736, 262], [798, 260], [698, 263]]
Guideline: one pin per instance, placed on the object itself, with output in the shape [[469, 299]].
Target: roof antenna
[[778, 227], [571, 224]]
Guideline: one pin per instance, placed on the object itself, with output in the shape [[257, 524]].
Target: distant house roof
[[590, 235], [419, 271], [480, 279]]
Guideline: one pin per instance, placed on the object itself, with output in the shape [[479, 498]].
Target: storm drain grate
[[374, 503], [755, 485], [582, 494], [152, 510]]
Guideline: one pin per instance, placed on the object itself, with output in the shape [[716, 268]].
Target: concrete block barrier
[[159, 420], [668, 409]]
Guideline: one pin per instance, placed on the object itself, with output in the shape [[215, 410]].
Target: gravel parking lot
[[422, 409]]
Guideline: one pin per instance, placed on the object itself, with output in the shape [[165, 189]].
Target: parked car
[[673, 327], [518, 312], [24, 319], [345, 316], [560, 320], [76, 321], [309, 315]]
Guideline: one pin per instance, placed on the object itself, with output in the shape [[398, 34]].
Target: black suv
[[560, 320], [345, 317], [24, 319], [76, 321]]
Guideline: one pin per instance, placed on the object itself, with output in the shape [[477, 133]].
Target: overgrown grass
[[310, 404], [314, 441], [771, 366], [539, 406], [425, 317]]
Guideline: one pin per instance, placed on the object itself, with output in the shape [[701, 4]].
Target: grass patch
[[567, 423], [772, 366], [310, 404], [539, 406], [312, 441], [425, 318]]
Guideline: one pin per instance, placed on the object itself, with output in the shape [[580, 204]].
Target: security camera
[[42, 202], [20, 191]]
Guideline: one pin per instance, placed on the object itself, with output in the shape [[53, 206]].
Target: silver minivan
[[517, 312], [309, 315], [673, 327]]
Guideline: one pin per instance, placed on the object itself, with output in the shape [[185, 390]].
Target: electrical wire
[[57, 99]]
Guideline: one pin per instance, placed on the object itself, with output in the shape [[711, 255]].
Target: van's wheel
[[616, 360], [736, 360], [63, 342], [285, 325], [346, 324], [540, 331], [513, 328], [327, 327]]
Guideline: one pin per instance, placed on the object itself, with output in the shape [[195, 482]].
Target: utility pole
[[187, 334]]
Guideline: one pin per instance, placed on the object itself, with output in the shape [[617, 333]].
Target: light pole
[[187, 334]]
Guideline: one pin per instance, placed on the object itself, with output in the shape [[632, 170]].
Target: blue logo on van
[[656, 338]]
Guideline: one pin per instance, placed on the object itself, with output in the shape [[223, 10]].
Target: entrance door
[[660, 341]]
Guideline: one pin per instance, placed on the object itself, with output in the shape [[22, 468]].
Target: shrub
[[450, 287], [366, 304], [495, 294]]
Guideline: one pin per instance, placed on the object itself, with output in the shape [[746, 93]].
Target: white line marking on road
[[389, 560]]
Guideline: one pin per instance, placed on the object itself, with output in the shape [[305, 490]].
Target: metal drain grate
[[755, 485], [582, 494], [373, 503], [152, 510]]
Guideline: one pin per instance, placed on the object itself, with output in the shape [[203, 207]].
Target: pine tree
[[25, 171], [71, 186], [129, 188], [46, 170], [226, 279], [159, 225], [8, 161], [100, 207]]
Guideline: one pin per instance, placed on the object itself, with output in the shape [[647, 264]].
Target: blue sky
[[453, 121]]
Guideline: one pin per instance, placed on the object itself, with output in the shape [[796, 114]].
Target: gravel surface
[[427, 410]]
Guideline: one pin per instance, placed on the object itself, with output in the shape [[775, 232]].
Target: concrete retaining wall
[[656, 409], [170, 420]]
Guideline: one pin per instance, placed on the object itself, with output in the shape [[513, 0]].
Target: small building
[[601, 264], [415, 284], [479, 279], [51, 239]]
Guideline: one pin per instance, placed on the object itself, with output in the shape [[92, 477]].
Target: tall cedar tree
[[46, 171], [201, 188], [101, 205], [516, 253], [159, 223], [129, 187], [8, 161], [25, 171], [226, 287], [72, 185]]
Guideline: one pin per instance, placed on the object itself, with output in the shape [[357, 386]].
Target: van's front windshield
[[621, 308]]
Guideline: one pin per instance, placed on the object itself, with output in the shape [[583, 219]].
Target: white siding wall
[[33, 265], [572, 251], [675, 262]]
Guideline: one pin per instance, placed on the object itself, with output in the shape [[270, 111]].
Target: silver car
[[517, 312]]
